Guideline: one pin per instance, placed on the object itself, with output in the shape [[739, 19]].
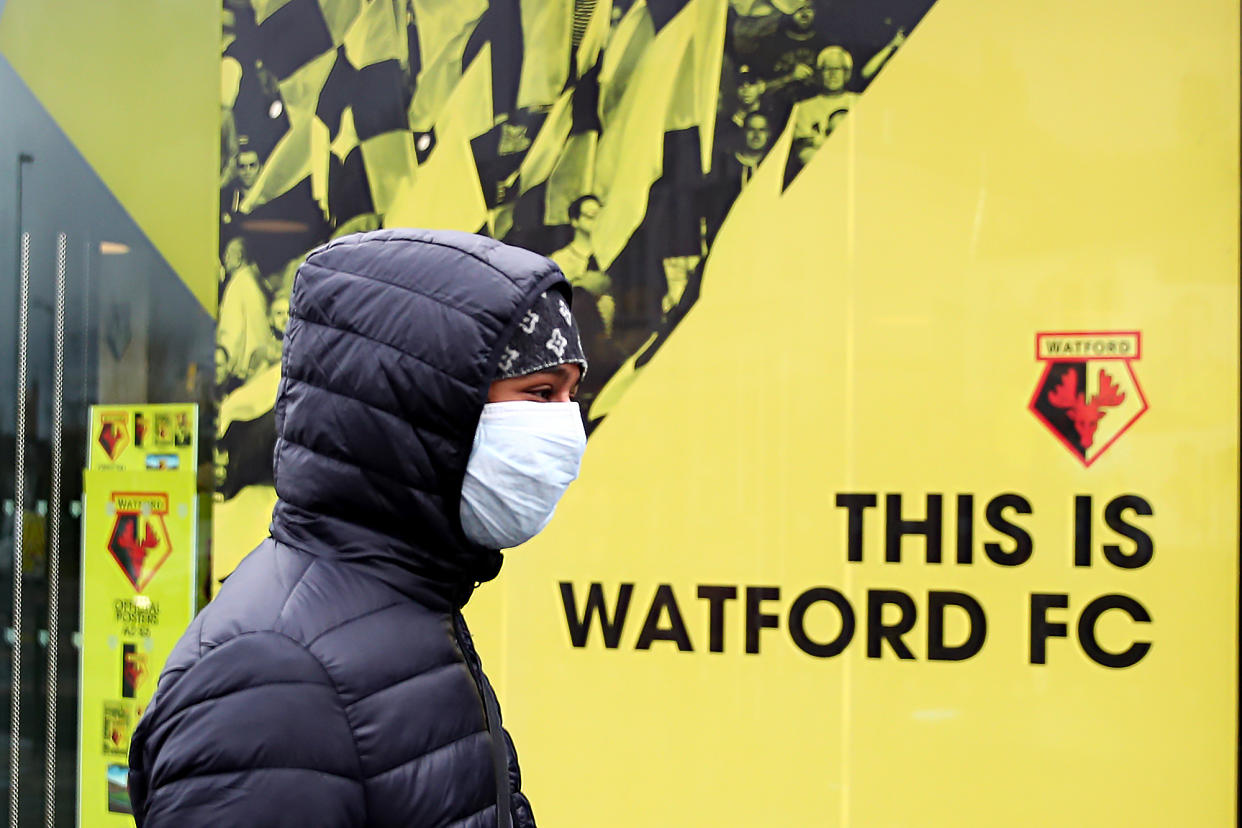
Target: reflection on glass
[[132, 332]]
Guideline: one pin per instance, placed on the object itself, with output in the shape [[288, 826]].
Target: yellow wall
[[135, 86], [1020, 168]]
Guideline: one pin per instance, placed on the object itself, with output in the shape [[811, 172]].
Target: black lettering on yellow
[[895, 526], [855, 504], [1041, 628], [1091, 646], [995, 511], [580, 628], [965, 528], [937, 602], [756, 619], [797, 622], [1114, 516], [716, 597], [664, 602], [1082, 530], [879, 632]]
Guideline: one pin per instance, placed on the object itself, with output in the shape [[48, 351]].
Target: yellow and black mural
[[613, 137], [911, 492]]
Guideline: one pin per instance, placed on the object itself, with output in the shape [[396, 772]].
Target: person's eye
[[543, 392]]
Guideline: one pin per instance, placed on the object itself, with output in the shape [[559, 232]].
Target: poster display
[[139, 561], [911, 494], [158, 437]]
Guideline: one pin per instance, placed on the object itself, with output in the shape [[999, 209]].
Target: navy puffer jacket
[[332, 682]]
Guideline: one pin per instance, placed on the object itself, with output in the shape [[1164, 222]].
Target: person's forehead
[[589, 207], [565, 372], [569, 372]]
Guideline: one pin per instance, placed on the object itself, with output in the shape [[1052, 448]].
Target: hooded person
[[424, 422]]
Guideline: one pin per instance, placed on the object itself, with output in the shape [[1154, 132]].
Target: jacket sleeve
[[253, 733]]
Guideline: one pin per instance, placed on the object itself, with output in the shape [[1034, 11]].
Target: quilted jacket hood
[[388, 355]]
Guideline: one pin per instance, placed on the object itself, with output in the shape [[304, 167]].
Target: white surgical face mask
[[525, 455]]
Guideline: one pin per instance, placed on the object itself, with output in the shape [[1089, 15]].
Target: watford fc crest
[[139, 541], [1088, 395], [114, 433]]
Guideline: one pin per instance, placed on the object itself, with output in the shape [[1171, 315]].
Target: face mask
[[525, 455]]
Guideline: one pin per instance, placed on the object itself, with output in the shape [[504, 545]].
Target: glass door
[[90, 313]]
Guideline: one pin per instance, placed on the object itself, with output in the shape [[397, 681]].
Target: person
[[786, 60], [248, 167], [750, 91], [278, 314], [577, 260], [272, 344], [753, 23], [732, 170], [816, 117], [242, 328], [424, 423], [233, 258], [236, 255], [756, 138]]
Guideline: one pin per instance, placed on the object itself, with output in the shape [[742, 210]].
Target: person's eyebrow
[[547, 374], [565, 373]]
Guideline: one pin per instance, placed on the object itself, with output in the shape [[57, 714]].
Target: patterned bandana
[[546, 337]]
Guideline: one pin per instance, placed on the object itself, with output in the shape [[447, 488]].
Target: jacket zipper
[[491, 714]]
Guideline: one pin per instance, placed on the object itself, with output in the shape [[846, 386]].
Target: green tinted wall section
[[135, 87]]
